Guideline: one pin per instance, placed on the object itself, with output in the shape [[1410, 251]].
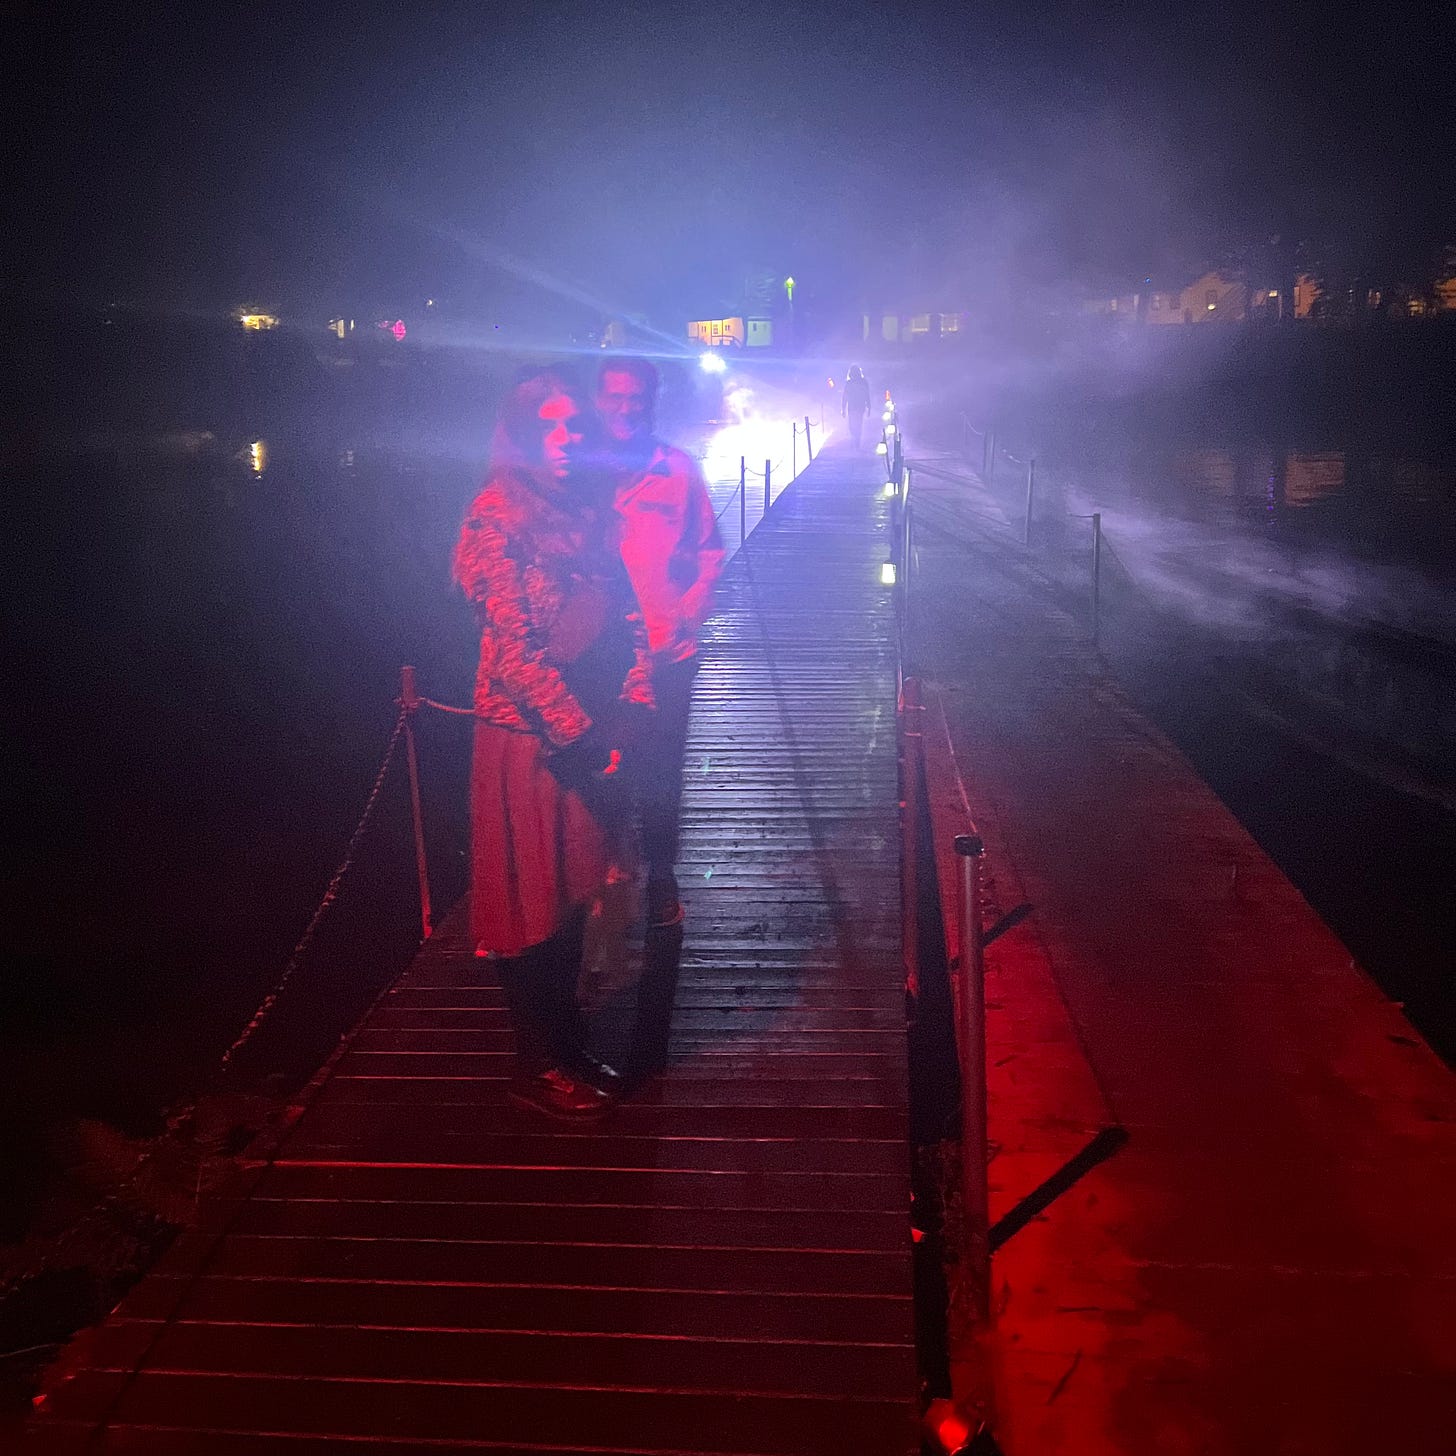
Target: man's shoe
[[560, 1095], [663, 905], [605, 1079]]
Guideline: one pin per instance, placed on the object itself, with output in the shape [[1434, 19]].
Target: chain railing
[[772, 470], [161, 1187]]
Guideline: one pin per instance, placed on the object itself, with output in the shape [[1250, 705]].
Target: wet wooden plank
[[732, 1187], [537, 1149], [597, 1361], [579, 1265], [685, 1313], [332, 1121], [597, 1223], [544, 1416]]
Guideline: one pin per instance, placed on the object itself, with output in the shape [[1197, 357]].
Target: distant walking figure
[[854, 404], [563, 668]]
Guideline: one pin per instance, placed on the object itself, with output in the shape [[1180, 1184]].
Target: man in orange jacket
[[673, 554]]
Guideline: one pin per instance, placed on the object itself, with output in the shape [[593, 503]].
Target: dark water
[[1277, 586]]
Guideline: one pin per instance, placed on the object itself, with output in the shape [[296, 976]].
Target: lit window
[[950, 323], [920, 323]]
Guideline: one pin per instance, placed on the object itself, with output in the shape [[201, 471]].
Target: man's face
[[625, 406], [562, 435]]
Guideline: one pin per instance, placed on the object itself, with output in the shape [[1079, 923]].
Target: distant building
[[731, 333], [909, 328], [625, 331], [256, 320], [1213, 298]]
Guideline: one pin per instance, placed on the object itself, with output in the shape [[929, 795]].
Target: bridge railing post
[[742, 499], [1030, 493], [912, 753], [971, 1029], [409, 701]]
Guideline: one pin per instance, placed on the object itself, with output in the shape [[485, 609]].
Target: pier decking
[[723, 1265]]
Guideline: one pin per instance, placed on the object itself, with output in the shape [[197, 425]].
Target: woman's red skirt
[[538, 849]]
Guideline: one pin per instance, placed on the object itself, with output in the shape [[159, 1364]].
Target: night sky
[[645, 156]]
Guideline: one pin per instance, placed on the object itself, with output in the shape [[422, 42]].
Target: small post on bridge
[[906, 542], [1030, 490], [808, 441], [742, 499], [409, 702], [912, 715], [767, 485], [794, 453], [1096, 578], [971, 1025]]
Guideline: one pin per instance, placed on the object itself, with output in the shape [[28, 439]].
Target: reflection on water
[[1348, 497], [1309, 478]]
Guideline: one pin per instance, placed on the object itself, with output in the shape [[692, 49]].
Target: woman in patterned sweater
[[563, 673]]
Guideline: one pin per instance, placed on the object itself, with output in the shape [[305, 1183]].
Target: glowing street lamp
[[712, 363], [789, 288]]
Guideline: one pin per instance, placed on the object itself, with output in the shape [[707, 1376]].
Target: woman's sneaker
[[558, 1094]]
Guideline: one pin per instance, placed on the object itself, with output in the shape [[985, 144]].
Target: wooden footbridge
[[723, 1265]]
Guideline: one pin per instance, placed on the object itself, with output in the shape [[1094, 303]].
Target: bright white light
[[889, 487], [887, 573], [889, 429], [711, 363], [882, 448], [888, 416]]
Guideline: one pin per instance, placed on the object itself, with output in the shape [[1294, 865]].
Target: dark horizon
[[645, 158]]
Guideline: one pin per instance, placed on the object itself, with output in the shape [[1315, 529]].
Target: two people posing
[[590, 557]]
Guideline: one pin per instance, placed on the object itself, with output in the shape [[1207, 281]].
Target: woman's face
[[563, 435]]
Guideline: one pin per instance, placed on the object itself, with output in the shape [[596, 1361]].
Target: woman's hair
[[855, 372], [516, 443]]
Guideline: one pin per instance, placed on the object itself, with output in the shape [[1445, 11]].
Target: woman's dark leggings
[[540, 986]]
